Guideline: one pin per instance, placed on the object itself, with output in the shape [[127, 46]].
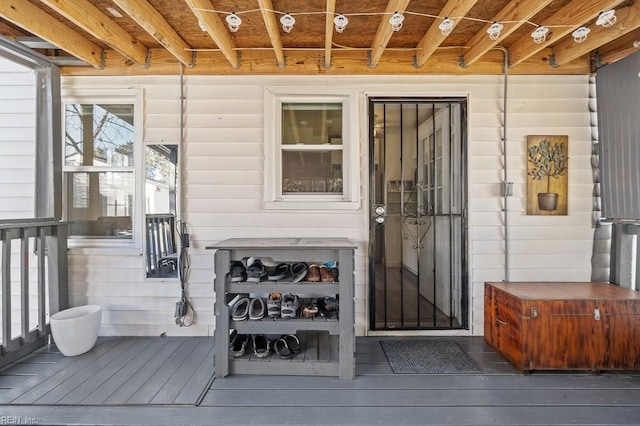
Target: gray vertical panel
[[24, 284], [6, 288], [618, 89]]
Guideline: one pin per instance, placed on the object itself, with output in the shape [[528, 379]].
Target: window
[[101, 137], [311, 149]]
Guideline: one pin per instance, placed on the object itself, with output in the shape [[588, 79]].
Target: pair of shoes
[[279, 272], [237, 271], [286, 346], [256, 270], [314, 273], [299, 271], [240, 310], [238, 344], [328, 304], [257, 308], [289, 306], [274, 304], [261, 346], [309, 311]]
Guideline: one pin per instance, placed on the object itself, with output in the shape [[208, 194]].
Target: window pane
[[312, 172], [311, 123], [100, 204], [98, 135]]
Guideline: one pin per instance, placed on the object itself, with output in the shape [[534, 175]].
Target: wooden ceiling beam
[[92, 20], [328, 32], [563, 22], [433, 37], [269, 18], [618, 49], [384, 32], [38, 22], [628, 19], [513, 16], [217, 30], [154, 23]]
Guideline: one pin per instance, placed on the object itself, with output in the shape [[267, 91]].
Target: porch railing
[[161, 245], [36, 251]]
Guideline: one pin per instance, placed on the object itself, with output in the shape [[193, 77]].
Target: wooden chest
[[563, 325]]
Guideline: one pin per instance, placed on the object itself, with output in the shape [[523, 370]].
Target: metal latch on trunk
[[596, 314]]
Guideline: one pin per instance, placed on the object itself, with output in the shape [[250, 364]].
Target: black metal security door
[[418, 222]]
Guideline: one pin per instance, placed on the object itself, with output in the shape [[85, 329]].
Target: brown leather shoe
[[314, 274], [326, 275]]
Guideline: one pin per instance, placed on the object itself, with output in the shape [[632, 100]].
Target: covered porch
[[99, 388]]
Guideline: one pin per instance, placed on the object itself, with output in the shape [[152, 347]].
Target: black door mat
[[427, 357]]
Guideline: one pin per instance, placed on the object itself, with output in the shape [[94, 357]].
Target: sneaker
[[314, 274], [237, 271], [256, 271], [257, 308], [327, 275]]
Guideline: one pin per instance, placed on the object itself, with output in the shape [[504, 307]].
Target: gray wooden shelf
[[333, 337]]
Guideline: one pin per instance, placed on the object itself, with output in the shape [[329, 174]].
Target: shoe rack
[[336, 332]]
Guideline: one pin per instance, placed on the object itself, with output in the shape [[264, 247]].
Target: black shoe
[[238, 345], [280, 272], [260, 345], [237, 271], [256, 271], [299, 271]]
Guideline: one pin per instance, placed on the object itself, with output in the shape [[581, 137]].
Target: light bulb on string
[[607, 19], [396, 21], [287, 22], [340, 22], [494, 30], [580, 34], [446, 26], [540, 34], [233, 21]]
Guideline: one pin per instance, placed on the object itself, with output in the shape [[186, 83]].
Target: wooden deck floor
[[498, 395]]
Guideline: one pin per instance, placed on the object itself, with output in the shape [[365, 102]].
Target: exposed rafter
[[154, 23], [92, 20], [618, 49], [577, 13], [269, 18], [328, 32], [216, 29], [434, 37], [384, 32], [568, 50], [36, 21], [513, 16]]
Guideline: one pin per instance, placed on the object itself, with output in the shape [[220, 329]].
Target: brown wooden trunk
[[563, 326]]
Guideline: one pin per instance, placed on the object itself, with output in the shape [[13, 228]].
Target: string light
[[494, 30], [340, 22], [234, 22], [607, 19], [396, 21], [287, 22], [540, 34], [580, 34], [446, 26]]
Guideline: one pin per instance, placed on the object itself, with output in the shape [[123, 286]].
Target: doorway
[[418, 204]]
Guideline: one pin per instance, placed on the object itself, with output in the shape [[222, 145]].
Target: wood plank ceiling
[[128, 37]]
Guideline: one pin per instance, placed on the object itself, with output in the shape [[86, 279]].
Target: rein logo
[[17, 420]]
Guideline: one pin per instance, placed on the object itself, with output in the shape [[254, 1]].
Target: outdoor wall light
[[580, 34], [607, 19], [494, 30]]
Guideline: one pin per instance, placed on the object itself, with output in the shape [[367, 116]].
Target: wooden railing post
[[58, 270]]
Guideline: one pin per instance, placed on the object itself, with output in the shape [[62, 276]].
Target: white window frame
[[274, 97], [112, 96]]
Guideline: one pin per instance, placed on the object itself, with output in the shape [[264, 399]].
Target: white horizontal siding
[[224, 186], [17, 140]]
